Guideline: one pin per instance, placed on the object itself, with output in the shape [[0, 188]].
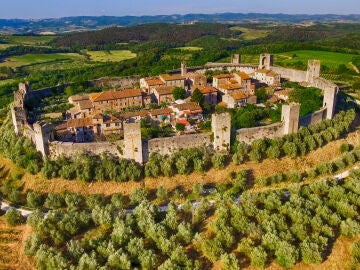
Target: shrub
[[54, 201], [34, 199], [14, 217], [218, 160], [258, 257], [290, 149], [349, 228], [138, 196], [345, 147]]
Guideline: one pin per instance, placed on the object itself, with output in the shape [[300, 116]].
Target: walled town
[[100, 114]]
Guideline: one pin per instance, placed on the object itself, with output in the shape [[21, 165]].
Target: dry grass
[[213, 176], [12, 247]]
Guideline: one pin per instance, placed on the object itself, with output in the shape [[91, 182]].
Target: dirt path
[[354, 67]]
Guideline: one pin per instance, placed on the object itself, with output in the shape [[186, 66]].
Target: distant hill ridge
[[81, 23]]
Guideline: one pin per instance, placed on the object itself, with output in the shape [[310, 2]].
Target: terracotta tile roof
[[268, 73], [239, 95], [223, 76], [74, 110], [229, 86], [285, 92], [164, 90], [190, 106], [79, 122], [171, 77], [273, 99], [97, 116], [243, 75], [85, 104], [111, 119], [272, 74], [142, 113], [184, 122], [265, 71], [153, 81], [206, 89], [77, 98], [114, 94], [165, 111]]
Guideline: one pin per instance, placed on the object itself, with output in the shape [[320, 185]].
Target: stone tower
[[183, 69], [266, 61], [221, 128], [290, 117], [21, 94], [132, 141], [43, 135], [330, 96], [235, 59], [313, 70]]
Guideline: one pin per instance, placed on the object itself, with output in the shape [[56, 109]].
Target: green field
[[251, 34], [330, 59], [28, 40], [110, 56], [30, 59]]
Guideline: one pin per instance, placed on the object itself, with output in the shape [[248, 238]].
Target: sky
[[35, 9]]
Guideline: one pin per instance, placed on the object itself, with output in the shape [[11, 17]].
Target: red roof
[[184, 122]]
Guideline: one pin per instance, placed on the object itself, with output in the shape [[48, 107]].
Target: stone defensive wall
[[290, 74], [313, 118], [248, 135], [167, 146], [121, 82], [68, 149], [323, 84]]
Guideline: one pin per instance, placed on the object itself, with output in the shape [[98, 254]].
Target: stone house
[[210, 94], [238, 99], [150, 82], [221, 79], [268, 77], [173, 80], [188, 110], [162, 94], [283, 94], [117, 100], [159, 116]]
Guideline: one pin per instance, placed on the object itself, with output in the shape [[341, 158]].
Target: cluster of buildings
[[103, 113]]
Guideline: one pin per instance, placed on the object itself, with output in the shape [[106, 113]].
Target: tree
[[34, 199], [179, 93], [261, 94], [180, 127], [229, 262], [197, 97], [258, 257], [14, 217]]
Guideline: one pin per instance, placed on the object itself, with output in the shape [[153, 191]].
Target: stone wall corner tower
[[43, 135], [236, 59], [313, 70], [133, 143], [330, 97], [221, 128], [290, 115], [266, 61]]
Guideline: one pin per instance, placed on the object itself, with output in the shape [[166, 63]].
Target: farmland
[[30, 59], [110, 56], [250, 33], [331, 60]]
